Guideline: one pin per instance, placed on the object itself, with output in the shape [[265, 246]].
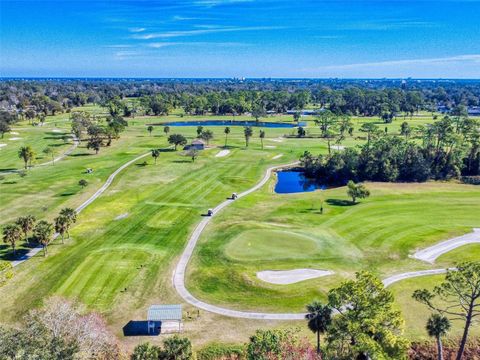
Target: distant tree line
[[37, 99]]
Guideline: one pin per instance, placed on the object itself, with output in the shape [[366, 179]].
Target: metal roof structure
[[164, 312]]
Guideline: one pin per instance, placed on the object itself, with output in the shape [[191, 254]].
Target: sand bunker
[[338, 147], [277, 156], [15, 138], [121, 216], [276, 140], [270, 146], [57, 131], [2, 145], [14, 133], [222, 153], [291, 276]]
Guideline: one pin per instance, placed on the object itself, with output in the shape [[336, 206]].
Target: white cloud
[[159, 45], [392, 63], [173, 34], [137, 29], [212, 3]]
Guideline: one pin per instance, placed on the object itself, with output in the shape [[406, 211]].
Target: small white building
[[164, 319]]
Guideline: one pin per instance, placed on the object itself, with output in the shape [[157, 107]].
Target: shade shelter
[[160, 316]]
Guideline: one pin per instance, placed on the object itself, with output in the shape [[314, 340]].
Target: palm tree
[[150, 129], [226, 131], [319, 317], [12, 233], [62, 225], [43, 232], [248, 134], [438, 326], [155, 154], [262, 136], [71, 215], [26, 223], [27, 154]]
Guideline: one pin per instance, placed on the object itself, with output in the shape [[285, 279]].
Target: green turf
[[377, 234], [120, 267]]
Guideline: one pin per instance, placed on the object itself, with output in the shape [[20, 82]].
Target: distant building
[[303, 112], [473, 110], [196, 144]]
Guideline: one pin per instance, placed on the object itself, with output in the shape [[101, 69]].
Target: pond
[[295, 181], [229, 123]]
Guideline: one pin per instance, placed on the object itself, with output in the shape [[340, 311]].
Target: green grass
[[377, 234], [120, 267]]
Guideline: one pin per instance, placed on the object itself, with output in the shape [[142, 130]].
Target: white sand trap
[[222, 153], [57, 131], [431, 253], [121, 216], [338, 147], [14, 133], [277, 156], [2, 145], [277, 140], [291, 276], [15, 138], [270, 146]]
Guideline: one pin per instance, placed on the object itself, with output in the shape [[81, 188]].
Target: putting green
[[270, 244]]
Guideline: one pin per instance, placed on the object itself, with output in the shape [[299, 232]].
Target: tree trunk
[[63, 241], [225, 140], [318, 342], [465, 332], [44, 250], [439, 348]]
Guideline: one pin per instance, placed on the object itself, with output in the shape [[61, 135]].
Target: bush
[[428, 350], [218, 351], [472, 180]]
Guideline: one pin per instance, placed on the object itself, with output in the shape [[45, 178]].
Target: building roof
[[164, 312], [198, 142]]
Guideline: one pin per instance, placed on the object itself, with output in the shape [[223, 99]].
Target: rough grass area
[[376, 234], [121, 266]]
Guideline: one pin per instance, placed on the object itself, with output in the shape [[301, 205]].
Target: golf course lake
[[294, 182], [230, 123]]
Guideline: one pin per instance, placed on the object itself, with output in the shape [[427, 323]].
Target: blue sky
[[240, 38]]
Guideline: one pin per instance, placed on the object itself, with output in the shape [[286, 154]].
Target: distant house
[[196, 144]]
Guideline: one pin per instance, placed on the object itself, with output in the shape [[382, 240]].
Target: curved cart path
[[431, 253], [58, 158], [178, 277], [91, 199]]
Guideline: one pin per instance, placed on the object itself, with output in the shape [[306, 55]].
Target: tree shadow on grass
[[339, 202], [181, 161], [8, 255], [80, 154]]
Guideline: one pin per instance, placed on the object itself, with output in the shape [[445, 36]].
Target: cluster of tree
[[59, 330], [446, 149], [174, 348], [385, 98], [6, 120], [31, 231], [100, 131]]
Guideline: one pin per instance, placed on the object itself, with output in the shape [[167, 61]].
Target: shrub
[[216, 351]]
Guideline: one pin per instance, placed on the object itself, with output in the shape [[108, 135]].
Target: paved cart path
[[87, 202], [178, 277], [58, 158], [431, 253]]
